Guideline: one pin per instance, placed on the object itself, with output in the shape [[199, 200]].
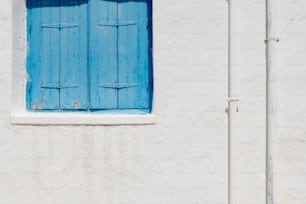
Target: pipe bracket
[[271, 39], [233, 100]]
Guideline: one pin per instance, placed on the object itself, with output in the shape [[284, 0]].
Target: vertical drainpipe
[[233, 29], [271, 103]]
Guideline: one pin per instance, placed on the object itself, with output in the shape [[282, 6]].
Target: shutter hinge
[[59, 86], [117, 85], [60, 25], [117, 23]]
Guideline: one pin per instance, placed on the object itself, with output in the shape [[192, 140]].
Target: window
[[92, 55]]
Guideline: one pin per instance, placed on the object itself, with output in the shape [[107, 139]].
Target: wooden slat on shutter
[[73, 57], [133, 55], [103, 54]]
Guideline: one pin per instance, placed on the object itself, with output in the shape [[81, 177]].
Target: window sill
[[87, 119]]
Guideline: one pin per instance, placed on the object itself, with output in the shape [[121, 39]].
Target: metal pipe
[[233, 31], [271, 103]]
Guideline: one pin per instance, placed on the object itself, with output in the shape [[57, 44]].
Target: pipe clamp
[[271, 39], [233, 99]]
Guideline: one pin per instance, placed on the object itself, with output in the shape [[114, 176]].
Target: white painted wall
[[182, 159]]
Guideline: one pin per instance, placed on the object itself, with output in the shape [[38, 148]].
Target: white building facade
[[179, 153]]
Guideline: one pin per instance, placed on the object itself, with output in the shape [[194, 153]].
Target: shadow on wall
[[54, 3]]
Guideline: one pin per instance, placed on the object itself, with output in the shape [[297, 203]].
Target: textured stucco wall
[[291, 141], [182, 159]]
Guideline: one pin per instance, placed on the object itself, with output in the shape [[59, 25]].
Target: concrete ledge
[[87, 119]]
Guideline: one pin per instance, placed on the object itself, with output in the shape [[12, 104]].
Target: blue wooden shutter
[[43, 58], [119, 55], [57, 61]]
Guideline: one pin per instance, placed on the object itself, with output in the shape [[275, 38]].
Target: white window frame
[[21, 116]]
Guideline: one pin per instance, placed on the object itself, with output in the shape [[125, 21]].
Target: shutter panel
[[103, 54], [73, 57], [133, 55], [119, 55], [44, 64], [58, 55]]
